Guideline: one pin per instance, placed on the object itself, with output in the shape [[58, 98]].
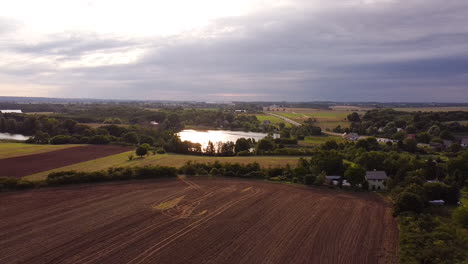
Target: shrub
[[309, 179], [141, 151], [408, 202], [60, 139], [460, 216]]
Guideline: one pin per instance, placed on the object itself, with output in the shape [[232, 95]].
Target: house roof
[[376, 175], [332, 177], [464, 141]]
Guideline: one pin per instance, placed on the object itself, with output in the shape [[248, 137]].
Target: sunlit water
[[215, 136], [13, 136]]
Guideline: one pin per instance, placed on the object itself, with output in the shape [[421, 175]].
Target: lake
[[215, 136], [13, 136]]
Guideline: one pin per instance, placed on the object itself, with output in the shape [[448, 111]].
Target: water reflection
[[13, 136], [215, 136]]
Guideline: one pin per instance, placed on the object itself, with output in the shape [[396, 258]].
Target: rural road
[[292, 122]]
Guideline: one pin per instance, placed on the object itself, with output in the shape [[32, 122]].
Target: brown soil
[[195, 221], [34, 163]]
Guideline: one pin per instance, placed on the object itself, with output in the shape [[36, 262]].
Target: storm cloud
[[410, 50]]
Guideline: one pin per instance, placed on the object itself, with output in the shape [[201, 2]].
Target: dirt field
[[29, 164], [195, 221]]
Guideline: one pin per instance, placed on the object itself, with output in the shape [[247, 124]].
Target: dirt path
[[195, 221], [30, 164]]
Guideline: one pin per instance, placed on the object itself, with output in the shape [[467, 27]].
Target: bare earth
[[195, 221], [30, 164]]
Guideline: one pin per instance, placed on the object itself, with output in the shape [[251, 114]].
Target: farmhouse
[[351, 136], [464, 142], [11, 111], [377, 180]]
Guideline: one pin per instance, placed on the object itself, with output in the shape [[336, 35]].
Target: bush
[[60, 139], [141, 151], [460, 216], [408, 202], [99, 140], [309, 179], [160, 151]]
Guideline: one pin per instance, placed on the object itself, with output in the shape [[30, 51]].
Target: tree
[[408, 202], [354, 117], [141, 151], [460, 215], [130, 137], [210, 149], [242, 144], [355, 175], [266, 144]]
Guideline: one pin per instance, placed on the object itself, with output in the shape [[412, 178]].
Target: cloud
[[300, 50]]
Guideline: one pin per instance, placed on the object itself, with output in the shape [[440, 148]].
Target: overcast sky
[[225, 50]]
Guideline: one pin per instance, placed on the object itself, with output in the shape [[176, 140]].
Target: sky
[[243, 50]]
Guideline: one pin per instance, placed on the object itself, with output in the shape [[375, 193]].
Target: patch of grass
[[273, 119], [432, 109], [8, 150], [332, 124], [171, 160], [317, 140]]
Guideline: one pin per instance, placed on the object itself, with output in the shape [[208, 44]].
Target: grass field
[[326, 119], [273, 119], [8, 150], [432, 109], [172, 160], [317, 140]]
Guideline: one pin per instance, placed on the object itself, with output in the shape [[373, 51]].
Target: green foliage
[[408, 202], [355, 175], [71, 177], [425, 239], [61, 139], [460, 215], [141, 151]]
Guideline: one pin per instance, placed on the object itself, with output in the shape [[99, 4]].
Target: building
[[411, 136], [351, 136], [332, 180], [384, 140], [11, 111], [240, 111], [266, 122], [464, 142], [377, 180]]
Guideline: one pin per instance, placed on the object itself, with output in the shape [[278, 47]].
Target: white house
[[377, 180], [464, 142], [11, 111]]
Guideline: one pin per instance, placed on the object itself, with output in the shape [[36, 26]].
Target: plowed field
[[195, 221], [30, 164]]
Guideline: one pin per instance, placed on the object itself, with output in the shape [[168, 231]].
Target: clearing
[[8, 150], [195, 221], [173, 160], [29, 164]]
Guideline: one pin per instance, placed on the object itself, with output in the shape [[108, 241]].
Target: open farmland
[[317, 140], [433, 109], [8, 150], [272, 119], [29, 164], [172, 160], [327, 119], [195, 221]]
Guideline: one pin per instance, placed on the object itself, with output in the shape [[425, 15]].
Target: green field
[[432, 109], [172, 160], [273, 119], [317, 140], [8, 150], [326, 119]]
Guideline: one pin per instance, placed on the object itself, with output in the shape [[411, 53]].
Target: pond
[[13, 136], [215, 136]]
